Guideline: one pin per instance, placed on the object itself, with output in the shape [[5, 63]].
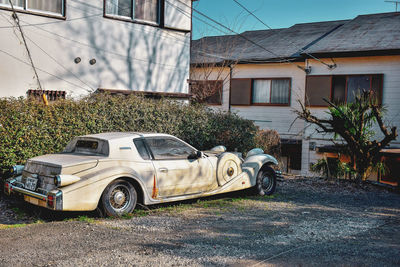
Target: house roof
[[364, 33], [374, 32]]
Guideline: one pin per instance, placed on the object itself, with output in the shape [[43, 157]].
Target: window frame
[[36, 12], [160, 15], [165, 137], [288, 104], [380, 100], [271, 104]]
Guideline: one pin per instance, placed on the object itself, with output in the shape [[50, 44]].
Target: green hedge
[[29, 128]]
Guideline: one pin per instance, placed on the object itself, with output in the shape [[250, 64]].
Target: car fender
[[86, 194], [253, 164]]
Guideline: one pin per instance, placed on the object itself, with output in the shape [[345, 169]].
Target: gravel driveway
[[307, 222]]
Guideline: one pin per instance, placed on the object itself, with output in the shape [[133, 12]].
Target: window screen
[[146, 10], [280, 91], [240, 91], [53, 6], [209, 90], [119, 8], [339, 89], [261, 91], [141, 148], [318, 88], [47, 6], [169, 148]]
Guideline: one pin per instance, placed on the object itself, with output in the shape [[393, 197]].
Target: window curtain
[[261, 91], [54, 6], [146, 10], [280, 91], [119, 8], [16, 3]]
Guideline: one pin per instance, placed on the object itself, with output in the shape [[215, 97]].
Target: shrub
[[269, 141], [29, 128]]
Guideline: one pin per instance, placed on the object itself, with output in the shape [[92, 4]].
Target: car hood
[[66, 163]]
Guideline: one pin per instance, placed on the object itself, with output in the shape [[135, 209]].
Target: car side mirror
[[195, 155]]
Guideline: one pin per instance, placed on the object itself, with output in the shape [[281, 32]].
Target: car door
[[176, 174]]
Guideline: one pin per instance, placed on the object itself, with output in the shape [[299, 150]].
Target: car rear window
[[87, 144]]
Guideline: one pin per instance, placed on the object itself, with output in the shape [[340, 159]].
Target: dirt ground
[[307, 222]]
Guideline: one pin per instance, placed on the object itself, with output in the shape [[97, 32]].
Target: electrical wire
[[238, 34], [16, 19], [301, 50], [55, 60], [53, 75]]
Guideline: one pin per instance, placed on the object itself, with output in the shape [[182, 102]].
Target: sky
[[279, 13]]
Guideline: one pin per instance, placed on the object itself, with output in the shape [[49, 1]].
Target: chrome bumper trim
[[27, 192]]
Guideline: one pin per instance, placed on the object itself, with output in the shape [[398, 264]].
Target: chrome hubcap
[[120, 198]]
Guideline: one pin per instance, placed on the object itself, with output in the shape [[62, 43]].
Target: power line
[[238, 34], [53, 75], [168, 66], [16, 19], [301, 50]]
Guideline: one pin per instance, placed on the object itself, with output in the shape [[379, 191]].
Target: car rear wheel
[[266, 181], [119, 198]]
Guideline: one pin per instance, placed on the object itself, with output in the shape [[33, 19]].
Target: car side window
[[168, 148], [141, 148]]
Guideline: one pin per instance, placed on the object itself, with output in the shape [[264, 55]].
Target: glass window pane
[[168, 148], [16, 3], [280, 91], [54, 6], [146, 10], [261, 91], [339, 89], [141, 148], [119, 8], [377, 87], [318, 88], [240, 91], [355, 85]]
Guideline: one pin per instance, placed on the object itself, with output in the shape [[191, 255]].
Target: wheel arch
[[256, 163]]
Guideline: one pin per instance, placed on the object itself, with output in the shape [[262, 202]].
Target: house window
[[260, 91], [52, 7], [341, 88], [140, 10], [209, 90], [270, 91]]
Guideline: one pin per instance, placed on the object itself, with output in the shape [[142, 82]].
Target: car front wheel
[[119, 198], [266, 181]]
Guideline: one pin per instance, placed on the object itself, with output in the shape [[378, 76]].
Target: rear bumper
[[53, 200]]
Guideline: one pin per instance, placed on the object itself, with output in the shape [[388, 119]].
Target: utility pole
[[394, 2]]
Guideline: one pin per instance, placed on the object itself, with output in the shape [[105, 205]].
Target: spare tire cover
[[228, 167]]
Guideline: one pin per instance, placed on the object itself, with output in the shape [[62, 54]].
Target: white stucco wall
[[128, 55]]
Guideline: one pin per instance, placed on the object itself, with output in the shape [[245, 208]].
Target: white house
[[269, 71], [78, 47]]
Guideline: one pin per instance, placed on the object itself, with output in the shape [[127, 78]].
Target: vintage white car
[[115, 171]]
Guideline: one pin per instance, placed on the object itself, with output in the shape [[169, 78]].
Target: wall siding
[[129, 56]]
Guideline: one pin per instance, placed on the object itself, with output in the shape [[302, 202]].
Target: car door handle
[[163, 170]]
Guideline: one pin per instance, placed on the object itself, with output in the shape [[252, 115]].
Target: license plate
[[31, 183]]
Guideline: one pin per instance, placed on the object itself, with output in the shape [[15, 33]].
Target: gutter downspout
[[230, 82]]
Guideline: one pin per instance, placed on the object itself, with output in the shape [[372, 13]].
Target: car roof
[[119, 135]]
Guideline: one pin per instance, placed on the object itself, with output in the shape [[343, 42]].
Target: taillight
[[50, 201], [7, 188]]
